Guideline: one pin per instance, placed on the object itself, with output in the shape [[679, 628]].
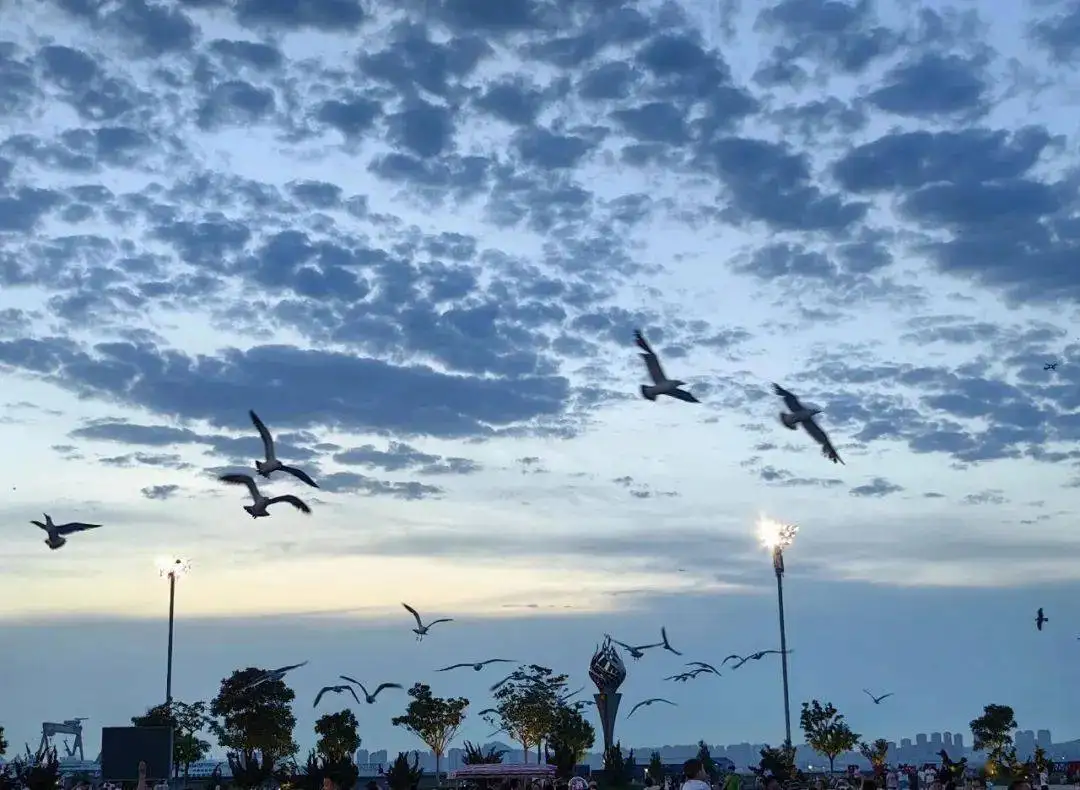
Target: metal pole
[[172, 610], [779, 566]]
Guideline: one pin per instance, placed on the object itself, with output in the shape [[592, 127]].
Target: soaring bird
[[703, 667], [635, 652], [877, 700], [272, 464], [647, 702], [370, 698], [805, 416], [740, 660], [664, 643], [259, 503], [421, 629], [1040, 618], [682, 677], [273, 674], [567, 697], [478, 665], [661, 385], [1050, 366], [335, 690], [56, 532]]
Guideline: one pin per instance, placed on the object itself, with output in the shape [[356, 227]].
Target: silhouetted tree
[[476, 755], [403, 776], [256, 724], [707, 762], [526, 705], [992, 733], [3, 742], [187, 722], [569, 739], [434, 720], [877, 753], [656, 767], [826, 731], [777, 762]]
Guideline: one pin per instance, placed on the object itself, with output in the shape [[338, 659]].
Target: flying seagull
[[260, 503], [370, 698], [740, 660], [500, 683], [421, 629], [272, 464], [661, 385], [665, 643], [877, 700], [1040, 618], [801, 414], [478, 665], [335, 690], [703, 667], [635, 652], [273, 674], [690, 674], [56, 532], [647, 702], [1050, 366], [567, 697]]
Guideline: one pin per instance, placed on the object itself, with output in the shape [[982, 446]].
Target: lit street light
[[171, 569], [777, 538]]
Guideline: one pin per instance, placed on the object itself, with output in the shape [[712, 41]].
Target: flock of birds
[[797, 414]]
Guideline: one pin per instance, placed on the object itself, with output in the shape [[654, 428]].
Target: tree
[[526, 704], [401, 775], [476, 755], [992, 733], [876, 753], [656, 768], [434, 720], [338, 738], [706, 759], [826, 731], [187, 722], [776, 762], [256, 724], [617, 769], [570, 737], [3, 742]]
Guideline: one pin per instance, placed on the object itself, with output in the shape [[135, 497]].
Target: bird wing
[[661, 699], [351, 691], [827, 449], [300, 475], [498, 661], [656, 372], [441, 620], [667, 644], [623, 644], [241, 480], [790, 400], [295, 501], [885, 696], [322, 693], [683, 395], [382, 686], [291, 667], [867, 693], [631, 713], [453, 666], [264, 432], [649, 647], [642, 343], [355, 683], [732, 657], [74, 526], [416, 614], [40, 524]]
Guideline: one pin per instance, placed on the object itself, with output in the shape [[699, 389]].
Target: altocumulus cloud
[[464, 195]]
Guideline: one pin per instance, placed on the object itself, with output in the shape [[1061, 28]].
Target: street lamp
[[777, 537], [172, 569]]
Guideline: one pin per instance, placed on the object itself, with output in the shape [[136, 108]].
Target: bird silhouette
[[260, 504], [272, 464], [635, 652], [273, 674], [1050, 366], [646, 702], [370, 698], [334, 690], [478, 665], [665, 643], [805, 415], [56, 532], [421, 629], [1040, 618], [740, 660], [661, 385], [682, 677], [877, 700], [703, 667]]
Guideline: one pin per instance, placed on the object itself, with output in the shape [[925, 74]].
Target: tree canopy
[[826, 731], [992, 733], [526, 705], [475, 754], [3, 742], [569, 738], [777, 762], [876, 753], [434, 720], [255, 718], [187, 721], [707, 762], [338, 736]]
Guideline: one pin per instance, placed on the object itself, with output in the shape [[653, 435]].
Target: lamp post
[[171, 569], [777, 538]]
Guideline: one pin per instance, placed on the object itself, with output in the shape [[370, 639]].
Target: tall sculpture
[[608, 672]]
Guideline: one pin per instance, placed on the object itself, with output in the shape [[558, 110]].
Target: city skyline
[[417, 240]]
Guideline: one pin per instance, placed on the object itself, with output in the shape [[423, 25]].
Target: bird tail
[[789, 420], [648, 392]]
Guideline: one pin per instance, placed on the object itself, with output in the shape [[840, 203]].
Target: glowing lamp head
[[172, 567], [777, 537]]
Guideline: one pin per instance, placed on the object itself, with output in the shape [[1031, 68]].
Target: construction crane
[[50, 729]]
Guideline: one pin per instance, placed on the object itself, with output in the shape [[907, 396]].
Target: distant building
[[958, 740], [905, 743], [1043, 739], [920, 739], [946, 739], [935, 740]]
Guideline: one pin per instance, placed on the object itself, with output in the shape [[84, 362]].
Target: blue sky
[[417, 243]]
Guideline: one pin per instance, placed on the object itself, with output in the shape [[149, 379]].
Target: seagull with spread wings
[[478, 665], [55, 532], [664, 643], [635, 652], [1040, 619], [802, 415], [260, 504], [421, 629], [703, 667], [661, 385], [273, 674], [370, 698], [335, 690], [740, 660], [646, 702], [877, 700], [272, 464]]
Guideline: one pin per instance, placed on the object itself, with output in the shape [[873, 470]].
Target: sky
[[417, 242]]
